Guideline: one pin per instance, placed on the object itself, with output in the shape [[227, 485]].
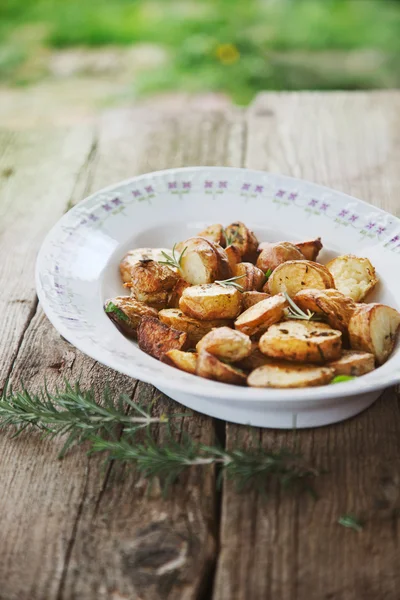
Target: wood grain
[[288, 547], [68, 529]]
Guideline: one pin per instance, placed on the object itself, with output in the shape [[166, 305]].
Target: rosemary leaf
[[174, 260], [112, 308], [231, 282], [268, 274], [342, 378], [351, 522], [295, 312]]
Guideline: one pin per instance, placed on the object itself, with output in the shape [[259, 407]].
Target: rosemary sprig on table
[[174, 260], [113, 427], [231, 282], [295, 312]]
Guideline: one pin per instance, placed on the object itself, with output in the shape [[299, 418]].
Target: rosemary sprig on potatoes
[[295, 312], [231, 282], [174, 260]]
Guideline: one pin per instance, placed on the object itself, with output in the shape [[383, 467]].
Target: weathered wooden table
[[70, 530]]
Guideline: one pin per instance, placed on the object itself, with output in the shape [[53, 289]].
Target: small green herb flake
[[268, 274], [350, 522], [342, 378], [112, 308]]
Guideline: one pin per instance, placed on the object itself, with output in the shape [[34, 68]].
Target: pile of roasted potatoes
[[225, 307]]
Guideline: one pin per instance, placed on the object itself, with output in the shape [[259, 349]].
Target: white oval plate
[[77, 270]]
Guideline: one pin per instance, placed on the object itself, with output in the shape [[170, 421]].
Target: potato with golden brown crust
[[282, 374], [195, 328], [337, 308], [353, 363], [185, 361], [273, 255], [176, 293], [212, 301], [204, 261], [255, 359], [256, 319], [215, 233], [251, 278], [374, 328], [240, 236], [157, 338], [139, 254], [210, 367], [296, 275], [310, 249], [152, 282], [354, 276], [234, 256], [126, 313], [251, 298], [302, 341], [226, 344]]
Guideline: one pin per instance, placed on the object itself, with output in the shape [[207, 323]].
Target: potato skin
[[226, 343], [185, 361], [354, 363], [282, 374], [244, 239], [273, 255], [215, 233], [310, 249], [302, 341], [151, 282], [354, 276], [296, 275], [156, 338], [210, 367], [212, 301], [194, 328], [251, 298], [133, 310], [374, 328], [176, 293], [333, 304], [134, 256], [254, 360], [204, 261], [256, 319], [251, 278], [234, 256]]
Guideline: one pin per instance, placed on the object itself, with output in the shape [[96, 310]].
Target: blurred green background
[[236, 47]]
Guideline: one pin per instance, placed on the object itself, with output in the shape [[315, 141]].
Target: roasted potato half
[[212, 301], [353, 276], [296, 275], [255, 359], [152, 282], [176, 293], [240, 236], [215, 233], [353, 363], [251, 298], [185, 361], [256, 319], [273, 255], [333, 304], [226, 343], [373, 328], [302, 341], [211, 367], [251, 278], [310, 249], [126, 313], [194, 328], [282, 374], [234, 256], [204, 261], [134, 256], [157, 338]]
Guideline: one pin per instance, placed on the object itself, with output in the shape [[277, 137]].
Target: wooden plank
[[67, 529], [291, 547]]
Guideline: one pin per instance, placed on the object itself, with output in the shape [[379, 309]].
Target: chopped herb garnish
[[342, 378], [268, 274], [230, 237], [112, 308]]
